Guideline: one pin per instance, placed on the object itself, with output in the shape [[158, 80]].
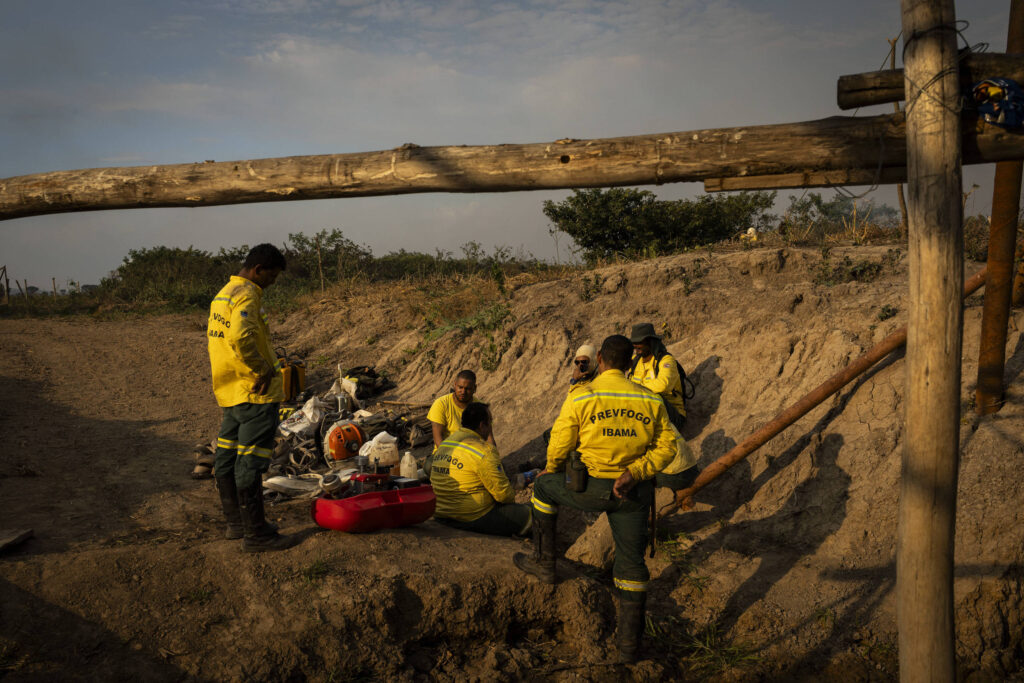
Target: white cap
[[588, 351]]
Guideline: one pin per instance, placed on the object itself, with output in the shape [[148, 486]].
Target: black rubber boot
[[542, 563], [258, 535], [229, 502], [631, 628]]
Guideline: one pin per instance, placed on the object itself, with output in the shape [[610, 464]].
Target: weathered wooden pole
[[872, 143], [1002, 244], [927, 507]]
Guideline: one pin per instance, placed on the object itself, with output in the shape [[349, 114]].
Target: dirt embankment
[[784, 570]]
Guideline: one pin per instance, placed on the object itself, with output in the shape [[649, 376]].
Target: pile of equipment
[[345, 459]]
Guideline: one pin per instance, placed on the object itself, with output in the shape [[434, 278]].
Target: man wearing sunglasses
[[584, 365]]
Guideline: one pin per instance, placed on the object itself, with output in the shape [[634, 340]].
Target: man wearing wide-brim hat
[[654, 368]]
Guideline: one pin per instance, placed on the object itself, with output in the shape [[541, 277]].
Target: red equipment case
[[375, 510]]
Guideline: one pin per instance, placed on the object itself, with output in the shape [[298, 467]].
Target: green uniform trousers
[[504, 519], [246, 442], [627, 518]]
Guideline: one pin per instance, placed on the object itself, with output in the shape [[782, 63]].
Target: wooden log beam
[[928, 481], [853, 176], [831, 144], [879, 87]]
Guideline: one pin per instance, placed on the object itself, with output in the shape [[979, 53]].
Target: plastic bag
[[304, 423], [383, 448]]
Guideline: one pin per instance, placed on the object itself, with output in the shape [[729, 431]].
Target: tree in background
[[339, 256], [629, 222], [171, 276]]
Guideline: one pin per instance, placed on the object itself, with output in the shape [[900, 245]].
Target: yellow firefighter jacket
[[668, 384], [239, 343], [618, 425], [468, 478]]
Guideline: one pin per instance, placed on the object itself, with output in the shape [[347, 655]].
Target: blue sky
[[112, 83]]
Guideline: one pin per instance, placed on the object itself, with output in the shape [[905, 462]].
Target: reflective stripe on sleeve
[[632, 586], [464, 447], [543, 507]]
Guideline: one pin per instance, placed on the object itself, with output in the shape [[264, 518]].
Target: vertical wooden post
[[7, 286], [927, 507], [53, 281], [1001, 246]]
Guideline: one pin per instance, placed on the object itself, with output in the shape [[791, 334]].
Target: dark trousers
[[504, 519], [627, 518], [246, 442]]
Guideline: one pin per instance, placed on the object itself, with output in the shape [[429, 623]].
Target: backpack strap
[[636, 362]]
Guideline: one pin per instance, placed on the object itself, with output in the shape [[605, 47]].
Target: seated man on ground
[[584, 369], [473, 492], [584, 365], [445, 414], [653, 367]]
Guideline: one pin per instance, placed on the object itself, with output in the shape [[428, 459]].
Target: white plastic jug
[[408, 468]]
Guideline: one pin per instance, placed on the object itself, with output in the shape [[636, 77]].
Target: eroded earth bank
[[784, 570]]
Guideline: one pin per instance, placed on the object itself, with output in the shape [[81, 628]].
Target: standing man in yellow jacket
[[248, 385], [473, 492], [624, 438]]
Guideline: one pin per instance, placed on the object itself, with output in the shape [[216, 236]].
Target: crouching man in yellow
[[248, 385], [473, 492], [624, 438]]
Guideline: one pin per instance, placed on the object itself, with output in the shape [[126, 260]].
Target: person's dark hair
[[475, 415], [467, 374], [617, 351], [266, 255]]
